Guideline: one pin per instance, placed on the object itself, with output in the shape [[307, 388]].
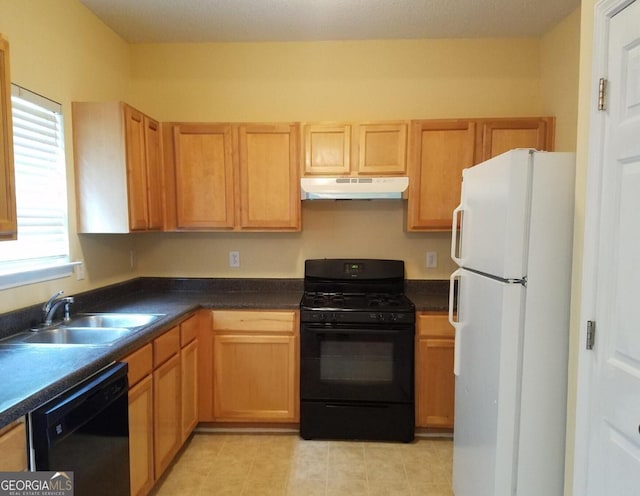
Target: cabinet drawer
[[166, 346], [435, 325], [188, 330], [254, 321], [140, 364]]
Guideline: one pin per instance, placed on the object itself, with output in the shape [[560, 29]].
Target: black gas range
[[356, 351]]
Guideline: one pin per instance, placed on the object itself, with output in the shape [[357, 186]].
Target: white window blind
[[41, 186]]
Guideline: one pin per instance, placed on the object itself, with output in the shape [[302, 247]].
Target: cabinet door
[[435, 382], [327, 149], [382, 149], [269, 177], [501, 135], [255, 378], [203, 176], [153, 157], [189, 379], [136, 168], [141, 436], [13, 448], [166, 409], [8, 220], [440, 150]]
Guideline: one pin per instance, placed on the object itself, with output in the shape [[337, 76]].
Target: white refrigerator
[[512, 289]]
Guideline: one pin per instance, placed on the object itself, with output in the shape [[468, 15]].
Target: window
[[41, 251]]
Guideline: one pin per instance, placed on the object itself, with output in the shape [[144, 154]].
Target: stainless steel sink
[[70, 336], [102, 320], [86, 329]]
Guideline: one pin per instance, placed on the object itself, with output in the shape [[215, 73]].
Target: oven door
[[357, 363]]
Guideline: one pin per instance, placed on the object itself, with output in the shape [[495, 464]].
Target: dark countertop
[[34, 374]]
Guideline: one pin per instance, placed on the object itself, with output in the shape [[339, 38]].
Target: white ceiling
[[186, 21]]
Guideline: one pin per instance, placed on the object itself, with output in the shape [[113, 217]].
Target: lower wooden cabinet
[[141, 436], [255, 373], [435, 382], [163, 401], [188, 381], [167, 433], [13, 448]]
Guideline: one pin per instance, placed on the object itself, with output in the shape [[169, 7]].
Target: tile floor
[[284, 464]]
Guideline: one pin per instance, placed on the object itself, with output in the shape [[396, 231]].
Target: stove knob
[[380, 317]]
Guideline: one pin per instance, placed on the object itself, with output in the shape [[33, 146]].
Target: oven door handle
[[358, 331]]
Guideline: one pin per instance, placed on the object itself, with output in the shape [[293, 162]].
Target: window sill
[[34, 276]]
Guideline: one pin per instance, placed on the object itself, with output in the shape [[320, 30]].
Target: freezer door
[[489, 346], [494, 216]]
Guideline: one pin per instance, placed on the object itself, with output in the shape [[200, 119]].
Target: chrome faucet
[[50, 307]]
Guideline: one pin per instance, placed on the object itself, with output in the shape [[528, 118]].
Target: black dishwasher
[[86, 431]]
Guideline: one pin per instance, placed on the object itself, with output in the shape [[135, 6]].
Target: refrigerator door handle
[[455, 238], [456, 276]]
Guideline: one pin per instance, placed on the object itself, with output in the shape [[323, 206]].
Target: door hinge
[[591, 334], [602, 94]]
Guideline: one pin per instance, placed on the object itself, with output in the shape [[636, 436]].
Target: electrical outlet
[[432, 260], [234, 259], [80, 271]]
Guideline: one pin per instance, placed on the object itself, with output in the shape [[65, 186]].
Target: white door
[[614, 422], [488, 357]]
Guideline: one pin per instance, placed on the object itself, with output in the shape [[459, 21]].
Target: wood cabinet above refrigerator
[[440, 149]]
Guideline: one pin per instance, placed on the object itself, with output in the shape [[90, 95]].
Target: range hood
[[353, 188]]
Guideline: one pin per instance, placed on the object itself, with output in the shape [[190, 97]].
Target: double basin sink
[[86, 329]]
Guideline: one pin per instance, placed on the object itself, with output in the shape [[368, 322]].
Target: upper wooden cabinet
[[269, 178], [497, 136], [200, 184], [118, 168], [236, 177], [327, 149], [440, 149], [8, 219], [365, 149]]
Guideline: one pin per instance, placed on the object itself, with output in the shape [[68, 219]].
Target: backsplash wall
[[331, 229]]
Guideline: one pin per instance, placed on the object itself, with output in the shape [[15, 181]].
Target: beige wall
[[356, 80], [559, 64], [582, 155], [337, 80], [60, 50]]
